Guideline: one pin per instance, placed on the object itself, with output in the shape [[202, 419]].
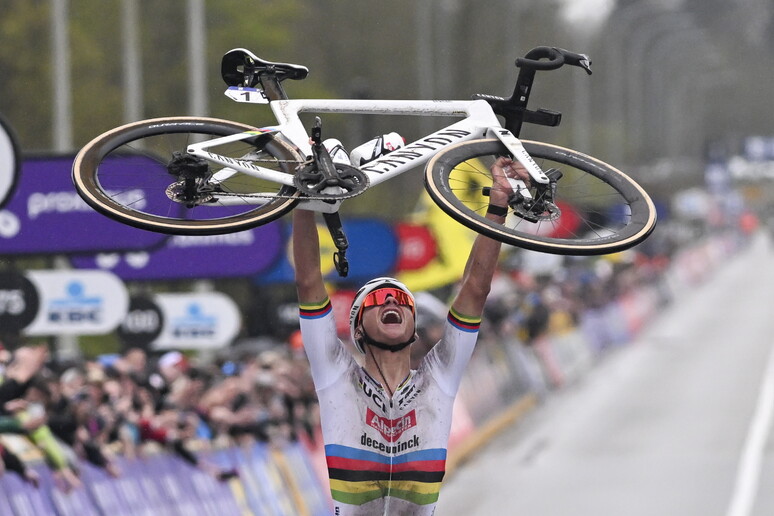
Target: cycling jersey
[[385, 455]]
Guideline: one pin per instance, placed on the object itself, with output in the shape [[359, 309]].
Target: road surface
[[677, 423]]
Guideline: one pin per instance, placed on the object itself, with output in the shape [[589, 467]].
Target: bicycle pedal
[[341, 264]]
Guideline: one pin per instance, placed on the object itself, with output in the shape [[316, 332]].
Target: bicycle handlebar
[[514, 109], [556, 58]]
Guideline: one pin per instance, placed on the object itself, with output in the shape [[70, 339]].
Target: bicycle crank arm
[[333, 221], [322, 158]]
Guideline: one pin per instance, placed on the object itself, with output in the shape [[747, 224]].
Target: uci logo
[[374, 395]]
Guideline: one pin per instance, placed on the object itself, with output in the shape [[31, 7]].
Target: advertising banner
[[71, 503], [77, 302], [143, 322], [23, 498], [417, 246], [373, 251], [450, 254], [46, 215], [274, 481], [245, 253], [205, 320], [19, 301]]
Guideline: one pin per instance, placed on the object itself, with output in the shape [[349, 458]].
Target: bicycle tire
[[602, 210], [10, 162], [123, 174]]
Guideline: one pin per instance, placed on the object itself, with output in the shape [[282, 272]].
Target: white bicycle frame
[[478, 121]]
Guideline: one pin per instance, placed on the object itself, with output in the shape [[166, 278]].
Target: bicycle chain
[[327, 197], [332, 197]]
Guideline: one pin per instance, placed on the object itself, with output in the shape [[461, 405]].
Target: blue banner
[[373, 252]]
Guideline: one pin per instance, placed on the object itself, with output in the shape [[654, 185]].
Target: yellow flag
[[452, 238]]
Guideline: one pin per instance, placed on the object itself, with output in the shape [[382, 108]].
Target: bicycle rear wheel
[[596, 208], [140, 174]]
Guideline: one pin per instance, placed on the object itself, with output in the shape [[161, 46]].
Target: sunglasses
[[379, 297]]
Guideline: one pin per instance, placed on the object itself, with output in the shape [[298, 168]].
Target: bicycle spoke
[[141, 174], [582, 210]]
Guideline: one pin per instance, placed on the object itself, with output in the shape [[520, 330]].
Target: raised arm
[[306, 258], [482, 261]]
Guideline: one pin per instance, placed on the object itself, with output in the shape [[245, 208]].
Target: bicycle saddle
[[240, 67]]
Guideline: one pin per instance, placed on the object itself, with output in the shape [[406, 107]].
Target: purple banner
[[189, 257], [23, 497], [47, 216]]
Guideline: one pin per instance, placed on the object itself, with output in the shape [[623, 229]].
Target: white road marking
[[748, 473]]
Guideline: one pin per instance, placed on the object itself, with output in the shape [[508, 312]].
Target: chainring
[[349, 183]]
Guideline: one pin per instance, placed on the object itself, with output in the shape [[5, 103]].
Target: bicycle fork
[[524, 204]]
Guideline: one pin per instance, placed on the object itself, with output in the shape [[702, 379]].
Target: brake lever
[[585, 63], [580, 60]]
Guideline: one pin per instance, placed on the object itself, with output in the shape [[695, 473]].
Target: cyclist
[[386, 426]]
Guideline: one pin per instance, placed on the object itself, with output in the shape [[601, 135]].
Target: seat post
[[272, 86]]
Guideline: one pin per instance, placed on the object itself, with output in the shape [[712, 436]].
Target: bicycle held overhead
[[198, 176]]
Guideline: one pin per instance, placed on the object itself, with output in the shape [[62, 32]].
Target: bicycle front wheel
[[141, 175], [596, 209]]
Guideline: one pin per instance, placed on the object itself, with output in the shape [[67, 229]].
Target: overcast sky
[[587, 12]]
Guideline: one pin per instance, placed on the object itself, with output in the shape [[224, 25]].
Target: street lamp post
[[620, 25], [425, 56], [132, 61], [197, 57], [62, 82], [642, 39], [677, 60]]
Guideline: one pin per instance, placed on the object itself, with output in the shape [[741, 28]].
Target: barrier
[[272, 480], [504, 381]]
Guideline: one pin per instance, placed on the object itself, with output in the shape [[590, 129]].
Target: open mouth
[[392, 316]]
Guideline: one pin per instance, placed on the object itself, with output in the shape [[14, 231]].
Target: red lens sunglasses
[[379, 297]]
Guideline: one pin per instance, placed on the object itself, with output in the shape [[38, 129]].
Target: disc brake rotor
[[177, 192], [547, 212]]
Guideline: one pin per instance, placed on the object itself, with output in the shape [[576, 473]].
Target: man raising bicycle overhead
[[386, 426]]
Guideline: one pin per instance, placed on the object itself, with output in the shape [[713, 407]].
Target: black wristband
[[500, 211]]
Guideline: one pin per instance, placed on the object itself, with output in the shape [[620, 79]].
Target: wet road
[[678, 423]]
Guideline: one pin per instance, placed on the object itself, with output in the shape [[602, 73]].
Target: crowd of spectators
[[126, 404], [134, 403]]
